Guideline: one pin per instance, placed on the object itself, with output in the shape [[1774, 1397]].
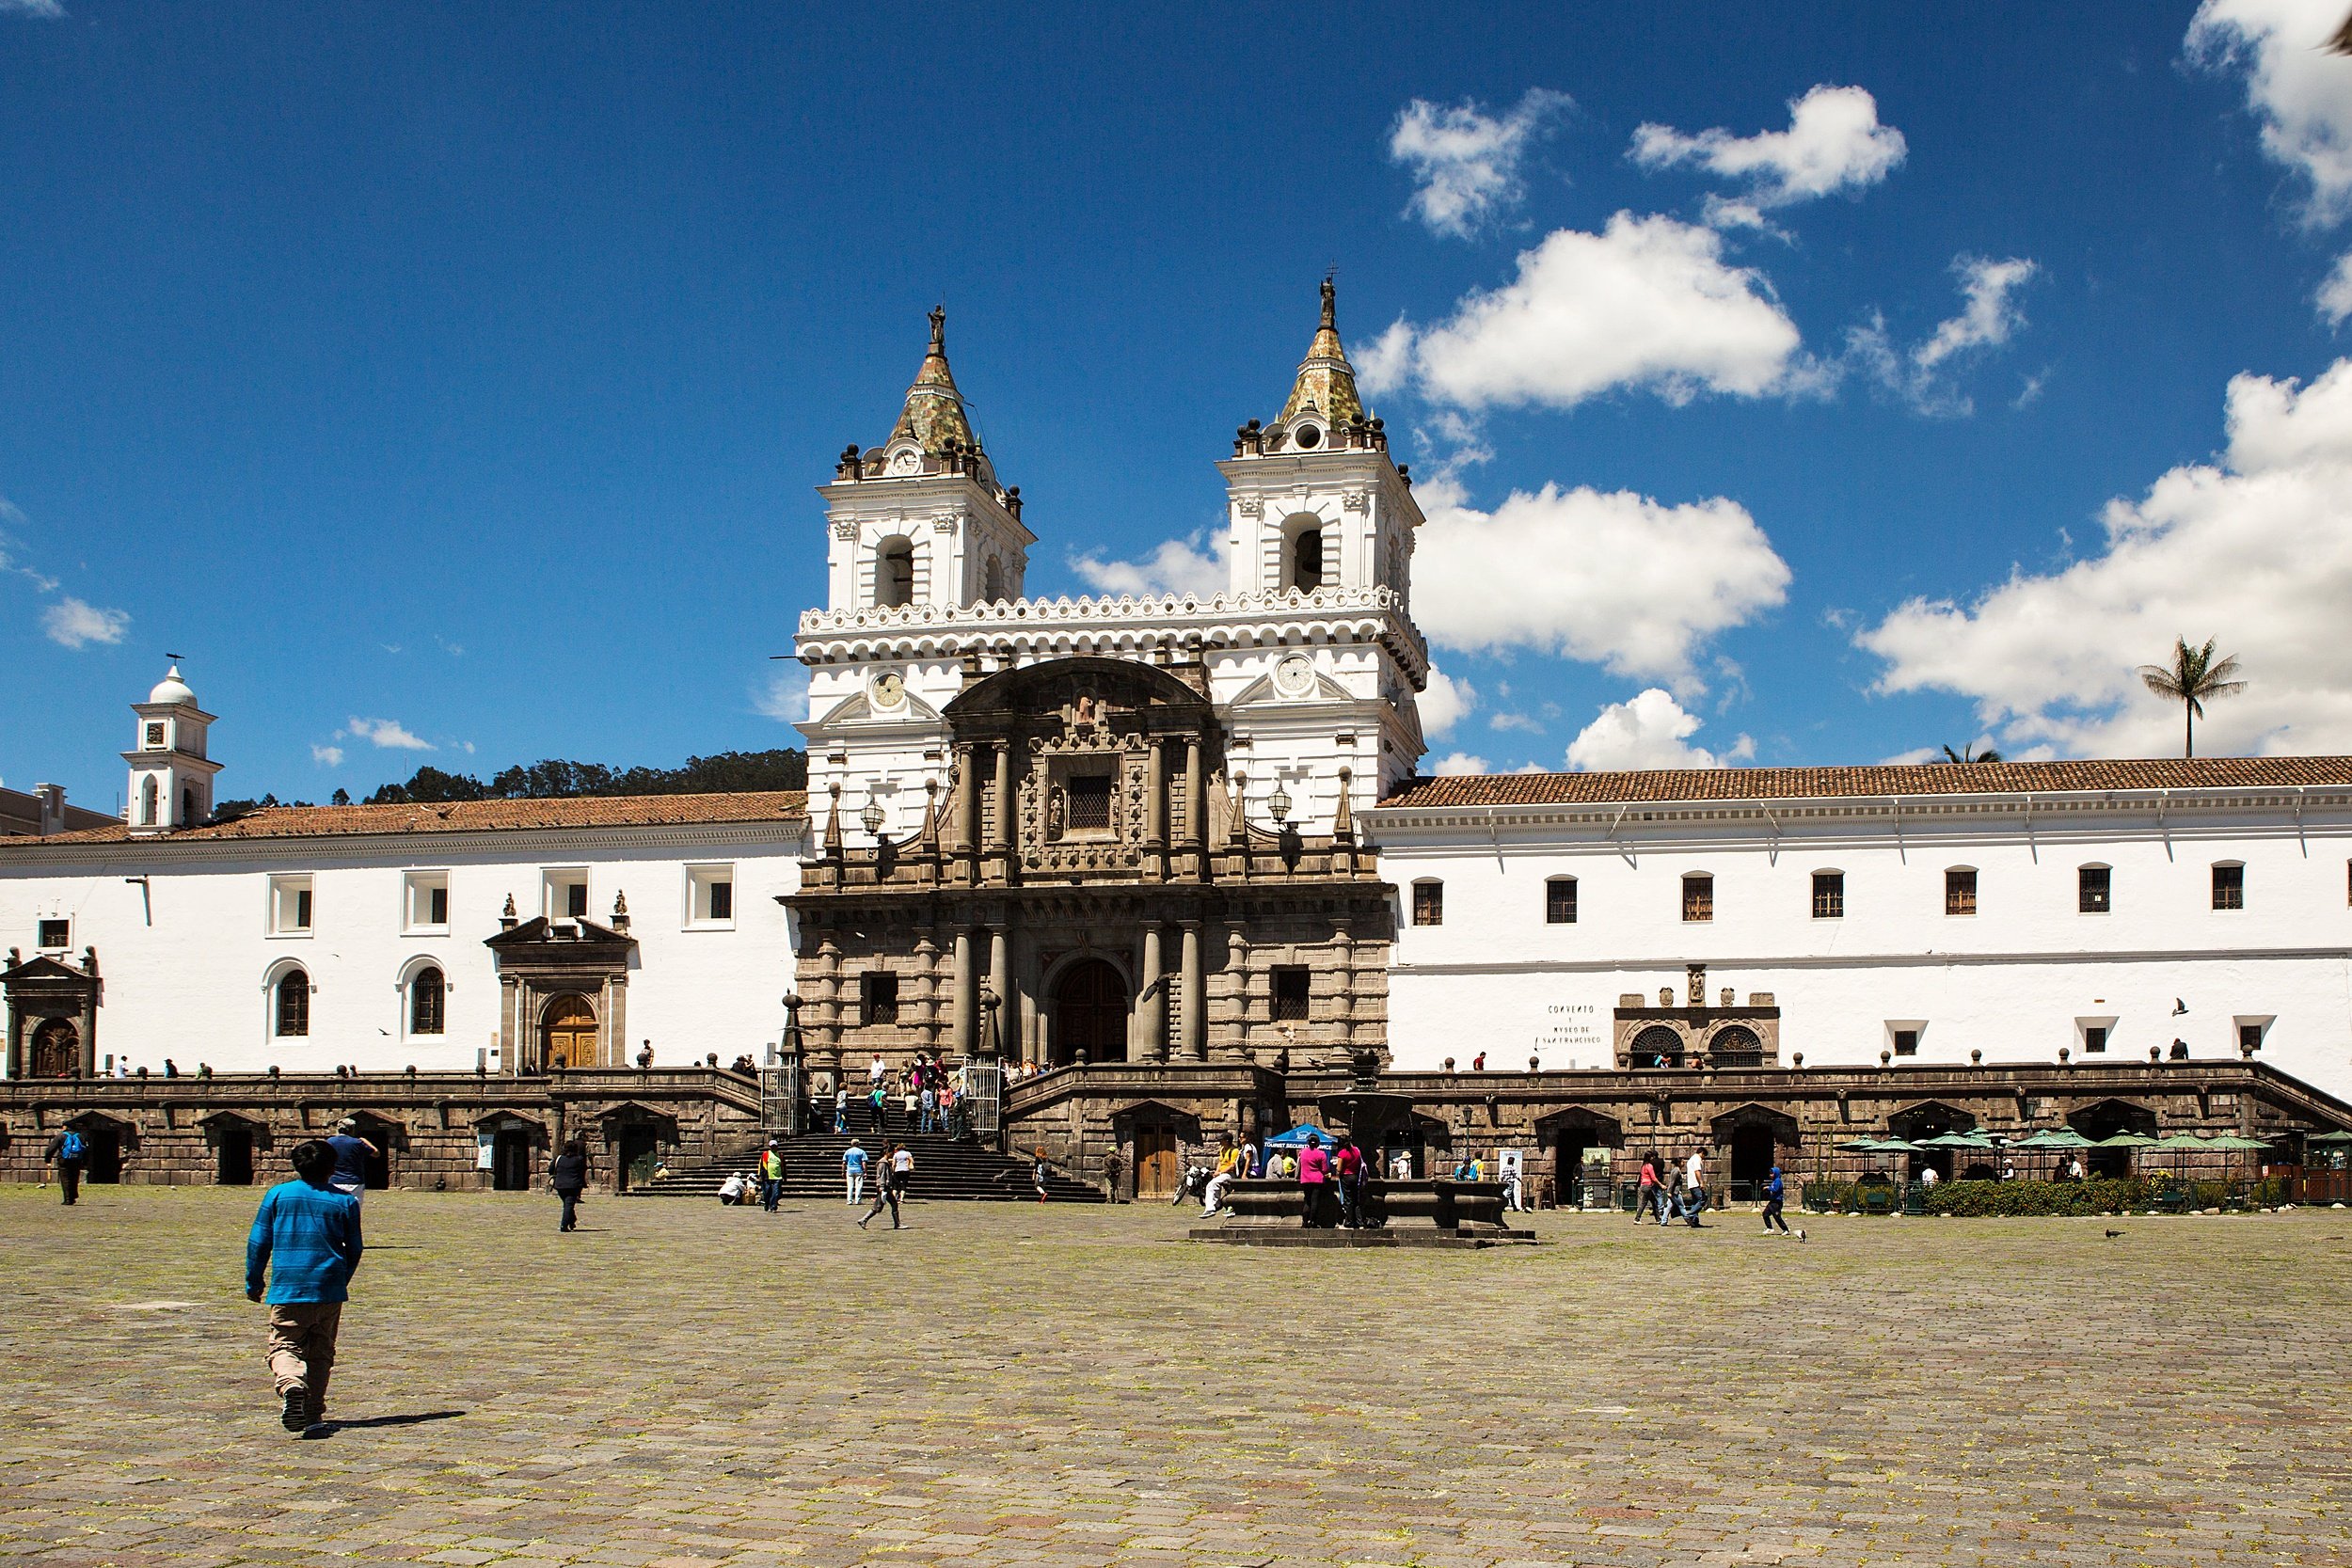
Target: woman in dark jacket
[[568, 1176]]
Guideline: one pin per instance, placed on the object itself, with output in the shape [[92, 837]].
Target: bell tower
[[1314, 500], [171, 778], [920, 519]]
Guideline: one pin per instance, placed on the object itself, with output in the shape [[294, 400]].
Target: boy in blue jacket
[[312, 1234]]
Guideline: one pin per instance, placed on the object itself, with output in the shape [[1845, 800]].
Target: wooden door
[[1157, 1168], [1089, 1014], [567, 1033]]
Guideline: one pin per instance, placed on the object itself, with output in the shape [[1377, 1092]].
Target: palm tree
[[1967, 753], [2193, 677]]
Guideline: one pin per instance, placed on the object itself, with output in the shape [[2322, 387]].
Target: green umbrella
[[2231, 1140], [2132, 1140], [2059, 1137], [1957, 1140], [2184, 1140], [2331, 1140]]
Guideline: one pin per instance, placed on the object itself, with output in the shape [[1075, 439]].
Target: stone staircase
[[944, 1168]]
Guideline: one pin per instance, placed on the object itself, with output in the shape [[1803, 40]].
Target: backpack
[[70, 1147]]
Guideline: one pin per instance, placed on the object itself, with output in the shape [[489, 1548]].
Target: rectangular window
[[290, 905], [1428, 903], [1290, 992], [878, 998], [425, 902], [1089, 798], [57, 933], [2091, 890], [2250, 1037], [1560, 901], [2229, 887], [1960, 890], [154, 737], [710, 895], [1698, 897], [1906, 1043], [2094, 1038], [1829, 895], [567, 896]]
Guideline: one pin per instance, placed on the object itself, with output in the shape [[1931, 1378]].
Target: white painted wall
[[2011, 980], [186, 959]]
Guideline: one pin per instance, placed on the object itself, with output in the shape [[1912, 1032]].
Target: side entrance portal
[[1089, 1014]]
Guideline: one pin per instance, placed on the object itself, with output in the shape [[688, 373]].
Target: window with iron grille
[[1089, 800], [293, 1004], [1829, 895], [1290, 992], [427, 1002], [2094, 1038], [1960, 890], [57, 933], [2250, 1037], [1428, 903], [2229, 886], [1560, 901], [1906, 1043], [2093, 892], [878, 998], [1698, 897]]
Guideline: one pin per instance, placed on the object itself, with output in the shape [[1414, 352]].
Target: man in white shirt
[[876, 1073], [1695, 1187], [731, 1190]]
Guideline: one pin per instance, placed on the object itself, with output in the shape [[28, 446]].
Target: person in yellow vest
[[770, 1176]]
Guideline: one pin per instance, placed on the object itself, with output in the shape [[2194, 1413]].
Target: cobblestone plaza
[[685, 1386]]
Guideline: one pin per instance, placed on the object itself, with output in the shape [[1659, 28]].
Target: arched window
[[1307, 560], [293, 1004], [894, 573], [1655, 1046], [993, 581], [149, 797], [1736, 1045], [427, 998], [188, 807]]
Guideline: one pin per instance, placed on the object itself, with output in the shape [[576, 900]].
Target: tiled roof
[[473, 817], [1801, 783]]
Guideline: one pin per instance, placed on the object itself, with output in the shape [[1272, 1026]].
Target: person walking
[[305, 1242], [352, 1154], [770, 1176], [929, 1106], [854, 1170], [1693, 1189], [902, 1171], [1037, 1175], [1645, 1196], [566, 1178], [1773, 1194], [885, 1190], [841, 1110], [1314, 1173], [68, 1150], [877, 1101]]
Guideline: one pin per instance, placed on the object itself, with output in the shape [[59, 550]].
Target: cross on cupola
[[920, 519]]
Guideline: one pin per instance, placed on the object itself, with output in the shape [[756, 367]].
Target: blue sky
[[449, 383]]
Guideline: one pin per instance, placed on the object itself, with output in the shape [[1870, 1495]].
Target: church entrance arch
[[567, 1032], [1090, 1013], [56, 1048]]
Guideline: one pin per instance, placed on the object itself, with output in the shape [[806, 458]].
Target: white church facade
[[1174, 854]]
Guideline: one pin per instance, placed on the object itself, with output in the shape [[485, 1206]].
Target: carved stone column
[[1156, 810], [1193, 1040], [1000, 982], [1196, 811], [1000, 843], [1151, 999], [966, 1000], [968, 813]]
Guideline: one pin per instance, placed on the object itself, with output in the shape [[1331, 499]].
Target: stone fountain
[[1398, 1213]]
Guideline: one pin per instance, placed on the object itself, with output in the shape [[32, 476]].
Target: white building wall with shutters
[[2018, 981], [188, 953]]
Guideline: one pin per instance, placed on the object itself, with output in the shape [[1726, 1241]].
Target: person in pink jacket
[[1315, 1175]]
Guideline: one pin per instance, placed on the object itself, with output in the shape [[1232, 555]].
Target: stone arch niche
[[52, 1016]]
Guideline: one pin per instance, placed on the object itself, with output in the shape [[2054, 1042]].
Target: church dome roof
[[171, 689]]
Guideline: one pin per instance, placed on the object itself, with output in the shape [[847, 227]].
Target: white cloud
[[1458, 763], [1650, 729], [1445, 703], [1514, 721], [784, 697], [45, 9], [1608, 577], [2255, 549], [2335, 296], [1988, 318], [72, 624], [1834, 142], [1465, 162], [1649, 302], [2300, 92], [1383, 364], [327, 756], [1179, 566], [389, 734]]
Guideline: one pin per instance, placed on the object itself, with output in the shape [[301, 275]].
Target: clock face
[[906, 461], [890, 688], [1295, 676]]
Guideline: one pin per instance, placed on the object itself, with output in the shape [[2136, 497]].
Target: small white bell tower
[[171, 778]]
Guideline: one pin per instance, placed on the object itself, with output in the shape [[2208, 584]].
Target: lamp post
[[1279, 806], [872, 817]]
